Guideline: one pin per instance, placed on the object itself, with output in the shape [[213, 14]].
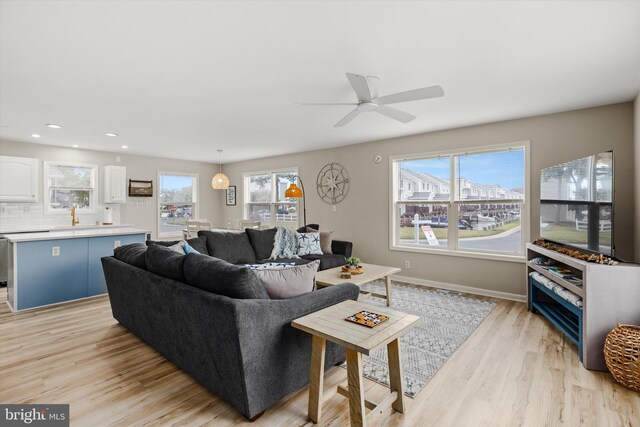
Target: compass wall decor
[[333, 183]]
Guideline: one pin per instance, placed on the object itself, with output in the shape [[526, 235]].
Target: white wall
[[637, 176], [142, 212], [364, 216]]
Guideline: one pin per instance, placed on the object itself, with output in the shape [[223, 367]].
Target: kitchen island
[[47, 268]]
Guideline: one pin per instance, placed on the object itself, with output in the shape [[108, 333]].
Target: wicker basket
[[622, 355]]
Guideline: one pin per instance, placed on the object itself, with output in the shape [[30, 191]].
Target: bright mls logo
[[34, 415]]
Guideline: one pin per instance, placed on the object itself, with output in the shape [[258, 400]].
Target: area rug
[[448, 319]]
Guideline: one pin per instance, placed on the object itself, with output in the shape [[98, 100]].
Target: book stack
[[565, 273]]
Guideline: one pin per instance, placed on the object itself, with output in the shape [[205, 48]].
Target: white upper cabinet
[[115, 184], [18, 179]]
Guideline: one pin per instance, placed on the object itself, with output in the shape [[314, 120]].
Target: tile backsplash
[[31, 216]]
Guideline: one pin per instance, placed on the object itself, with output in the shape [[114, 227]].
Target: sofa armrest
[[276, 356], [342, 247], [273, 312]]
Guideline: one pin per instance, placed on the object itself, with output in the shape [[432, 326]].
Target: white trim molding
[[461, 288]]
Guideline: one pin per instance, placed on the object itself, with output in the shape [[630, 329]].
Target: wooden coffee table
[[371, 272], [329, 324]]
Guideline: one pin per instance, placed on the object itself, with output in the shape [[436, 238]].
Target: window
[[177, 202], [482, 191], [69, 185], [264, 198]]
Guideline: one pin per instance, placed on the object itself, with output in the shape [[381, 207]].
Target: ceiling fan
[[369, 101]]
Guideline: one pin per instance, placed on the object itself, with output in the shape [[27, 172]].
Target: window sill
[[460, 253]]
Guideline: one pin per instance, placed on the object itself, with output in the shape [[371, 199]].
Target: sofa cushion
[[222, 278], [309, 244], [261, 241], [165, 262], [288, 282], [133, 254], [231, 247], [327, 261], [198, 243]]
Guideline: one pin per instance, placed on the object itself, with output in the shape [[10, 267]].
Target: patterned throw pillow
[[326, 238], [309, 244], [271, 265]]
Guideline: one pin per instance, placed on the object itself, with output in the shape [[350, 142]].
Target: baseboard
[[461, 288]]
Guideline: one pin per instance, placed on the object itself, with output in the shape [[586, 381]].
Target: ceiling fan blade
[[325, 103], [360, 86], [346, 119], [398, 115], [411, 95]]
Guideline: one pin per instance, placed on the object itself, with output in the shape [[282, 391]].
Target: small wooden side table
[[329, 324]]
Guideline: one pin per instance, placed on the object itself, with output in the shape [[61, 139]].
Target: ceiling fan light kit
[[368, 101]]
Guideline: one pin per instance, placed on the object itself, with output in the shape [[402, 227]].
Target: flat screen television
[[576, 203]]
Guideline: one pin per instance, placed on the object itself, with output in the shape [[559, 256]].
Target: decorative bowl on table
[[353, 270]]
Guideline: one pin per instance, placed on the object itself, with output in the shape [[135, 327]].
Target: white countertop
[[60, 227], [74, 234]]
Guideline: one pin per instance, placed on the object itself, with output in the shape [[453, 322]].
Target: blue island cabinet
[[46, 271], [104, 246], [47, 279]]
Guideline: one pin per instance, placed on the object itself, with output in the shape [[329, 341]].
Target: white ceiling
[[180, 79]]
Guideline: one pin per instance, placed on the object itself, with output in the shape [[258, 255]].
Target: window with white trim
[[264, 198], [69, 185], [482, 190], [177, 202]]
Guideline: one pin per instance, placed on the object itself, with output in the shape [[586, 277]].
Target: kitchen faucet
[[74, 219]]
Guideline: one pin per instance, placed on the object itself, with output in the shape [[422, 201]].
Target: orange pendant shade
[[293, 192]]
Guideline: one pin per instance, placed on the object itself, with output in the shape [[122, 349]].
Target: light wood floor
[[514, 370]]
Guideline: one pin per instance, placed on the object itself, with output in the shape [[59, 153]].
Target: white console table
[[610, 295]]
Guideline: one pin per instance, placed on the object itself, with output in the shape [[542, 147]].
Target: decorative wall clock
[[333, 183]]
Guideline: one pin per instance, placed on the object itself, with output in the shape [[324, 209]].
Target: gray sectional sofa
[[215, 321], [255, 246]]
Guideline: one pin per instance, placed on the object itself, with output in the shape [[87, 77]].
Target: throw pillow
[[197, 243], [326, 239], [282, 283], [262, 241], [303, 229], [285, 244], [165, 262], [133, 254], [309, 244], [178, 247], [222, 278], [270, 265], [188, 249]]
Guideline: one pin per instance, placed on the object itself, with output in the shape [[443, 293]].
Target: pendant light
[[220, 180]]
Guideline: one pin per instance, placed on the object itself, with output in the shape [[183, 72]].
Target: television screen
[[576, 203]]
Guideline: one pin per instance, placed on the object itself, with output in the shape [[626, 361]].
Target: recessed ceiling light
[[111, 134], [75, 145], [51, 125], [35, 135], [125, 146]]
